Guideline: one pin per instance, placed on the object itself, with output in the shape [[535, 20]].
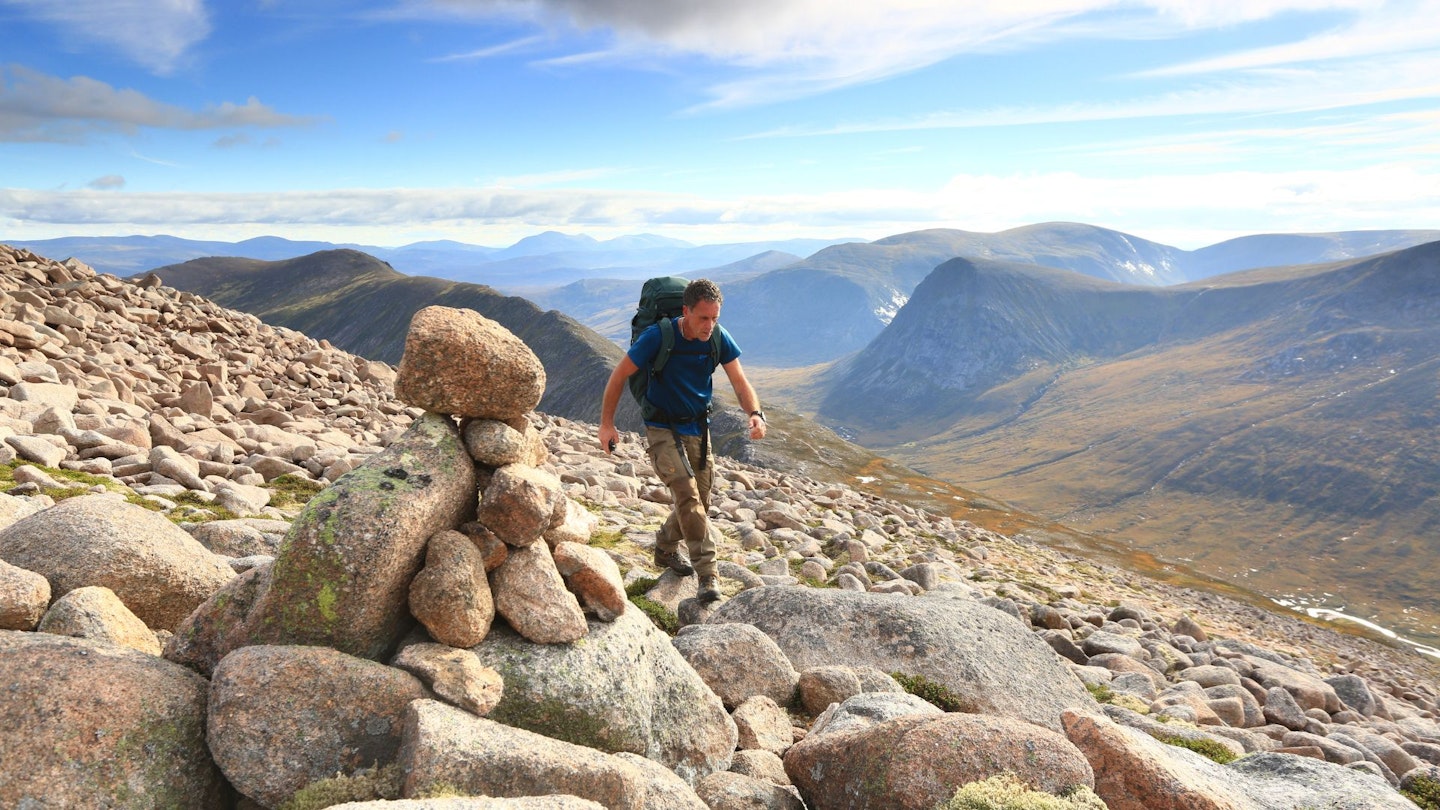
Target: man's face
[[700, 319]]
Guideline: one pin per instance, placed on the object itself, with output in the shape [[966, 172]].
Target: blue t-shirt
[[683, 387]]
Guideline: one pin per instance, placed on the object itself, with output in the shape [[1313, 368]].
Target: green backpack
[[661, 301]]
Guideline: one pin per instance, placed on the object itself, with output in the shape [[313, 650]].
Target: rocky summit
[[237, 572]]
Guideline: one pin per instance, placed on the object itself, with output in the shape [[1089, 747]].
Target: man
[[681, 395]]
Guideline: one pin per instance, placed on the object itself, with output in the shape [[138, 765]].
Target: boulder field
[[461, 611]]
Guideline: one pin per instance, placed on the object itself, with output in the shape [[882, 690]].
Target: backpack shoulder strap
[[715, 349], [667, 345]]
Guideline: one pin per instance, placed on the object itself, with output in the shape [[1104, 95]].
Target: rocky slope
[[450, 613]]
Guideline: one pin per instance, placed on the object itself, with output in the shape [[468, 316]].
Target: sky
[[386, 122]]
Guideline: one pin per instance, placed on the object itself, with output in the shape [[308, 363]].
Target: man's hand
[[757, 427], [609, 437]]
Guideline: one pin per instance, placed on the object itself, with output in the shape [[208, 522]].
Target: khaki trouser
[[688, 520]]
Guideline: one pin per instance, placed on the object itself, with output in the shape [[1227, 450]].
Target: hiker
[[679, 397]]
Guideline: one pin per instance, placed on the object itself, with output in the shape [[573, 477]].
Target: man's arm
[[611, 401], [749, 400]]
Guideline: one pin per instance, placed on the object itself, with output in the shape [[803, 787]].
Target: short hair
[[702, 289]]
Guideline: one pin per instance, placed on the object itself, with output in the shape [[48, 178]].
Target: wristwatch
[[760, 414]]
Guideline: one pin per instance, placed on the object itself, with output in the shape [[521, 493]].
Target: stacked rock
[[529, 535]]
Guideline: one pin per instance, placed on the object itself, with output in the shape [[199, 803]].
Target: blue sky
[[486, 121]]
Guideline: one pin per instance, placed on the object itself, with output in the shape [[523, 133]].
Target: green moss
[[1209, 749], [325, 601], [937, 694], [1424, 792], [291, 491], [367, 785], [1101, 692], [1006, 792], [609, 538], [640, 586], [524, 707], [658, 613]]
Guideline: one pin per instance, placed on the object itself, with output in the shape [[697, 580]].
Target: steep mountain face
[[1274, 427], [363, 306]]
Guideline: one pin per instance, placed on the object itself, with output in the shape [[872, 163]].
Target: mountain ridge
[[1294, 406]]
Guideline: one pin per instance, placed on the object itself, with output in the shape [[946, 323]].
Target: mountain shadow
[[362, 305]]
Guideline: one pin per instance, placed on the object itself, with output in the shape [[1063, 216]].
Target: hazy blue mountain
[[1282, 249], [838, 299], [549, 259], [606, 305]]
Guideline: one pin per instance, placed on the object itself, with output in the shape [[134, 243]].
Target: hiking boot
[[709, 589], [675, 559]]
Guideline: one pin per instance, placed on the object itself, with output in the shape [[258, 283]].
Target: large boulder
[[450, 748], [1134, 771], [342, 576], [459, 362], [738, 661], [986, 658], [96, 613], [283, 717], [88, 724], [157, 569], [919, 761], [624, 689]]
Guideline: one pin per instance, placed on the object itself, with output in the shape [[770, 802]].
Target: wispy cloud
[[154, 33], [39, 107], [1397, 28], [1402, 77], [492, 51], [784, 49]]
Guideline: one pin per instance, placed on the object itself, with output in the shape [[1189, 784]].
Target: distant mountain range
[[786, 310], [545, 260], [839, 299]]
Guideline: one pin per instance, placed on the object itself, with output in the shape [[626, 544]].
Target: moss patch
[[936, 694], [1006, 792], [292, 491], [1423, 791], [658, 614], [1206, 748], [363, 786]]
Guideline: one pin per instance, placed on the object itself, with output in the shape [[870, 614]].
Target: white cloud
[[1393, 195], [38, 107], [153, 33]]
